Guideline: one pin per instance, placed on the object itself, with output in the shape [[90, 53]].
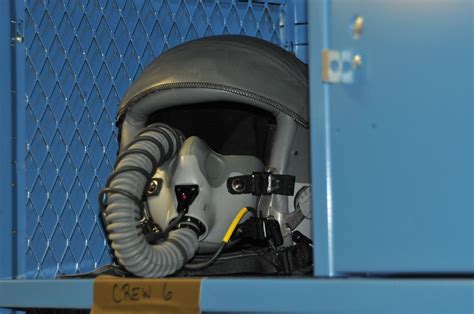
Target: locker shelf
[[271, 295]]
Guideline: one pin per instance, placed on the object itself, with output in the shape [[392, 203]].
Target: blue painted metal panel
[[274, 295], [295, 28], [337, 296], [6, 142], [300, 11], [19, 233], [12, 122], [11, 162], [401, 137], [301, 34], [65, 294], [320, 142]]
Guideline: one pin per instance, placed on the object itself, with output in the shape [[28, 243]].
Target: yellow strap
[[234, 224]]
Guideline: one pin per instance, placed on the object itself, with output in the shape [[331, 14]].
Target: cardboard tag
[[131, 295]]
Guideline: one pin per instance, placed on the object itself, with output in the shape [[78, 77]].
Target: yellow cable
[[234, 224]]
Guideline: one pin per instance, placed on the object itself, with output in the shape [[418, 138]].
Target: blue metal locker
[[392, 150], [391, 86]]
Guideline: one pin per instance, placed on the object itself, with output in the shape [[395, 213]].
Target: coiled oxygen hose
[[124, 207]]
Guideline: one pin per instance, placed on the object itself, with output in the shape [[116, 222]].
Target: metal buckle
[[262, 183]]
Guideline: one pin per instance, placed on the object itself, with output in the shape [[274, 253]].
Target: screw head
[[357, 27], [18, 39], [356, 61], [154, 187], [238, 185]]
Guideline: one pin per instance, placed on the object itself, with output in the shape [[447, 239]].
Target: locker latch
[[338, 66]]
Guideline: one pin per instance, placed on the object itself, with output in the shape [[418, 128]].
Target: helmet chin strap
[[276, 205]]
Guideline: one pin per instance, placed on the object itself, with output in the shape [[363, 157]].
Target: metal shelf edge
[[270, 295], [338, 295], [70, 294]]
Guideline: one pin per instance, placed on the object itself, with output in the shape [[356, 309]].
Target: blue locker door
[[401, 138]]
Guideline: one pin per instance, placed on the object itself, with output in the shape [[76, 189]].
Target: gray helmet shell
[[236, 69]]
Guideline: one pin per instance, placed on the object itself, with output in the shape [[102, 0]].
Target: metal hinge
[[18, 31]]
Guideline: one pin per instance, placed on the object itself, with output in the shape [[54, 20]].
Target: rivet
[[19, 39], [356, 61], [357, 27]]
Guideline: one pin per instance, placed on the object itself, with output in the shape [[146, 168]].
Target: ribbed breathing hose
[[124, 207]]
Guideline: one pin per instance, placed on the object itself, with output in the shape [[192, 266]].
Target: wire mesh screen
[[80, 58]]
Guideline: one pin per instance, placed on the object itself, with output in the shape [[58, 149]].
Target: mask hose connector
[[225, 241], [121, 206]]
